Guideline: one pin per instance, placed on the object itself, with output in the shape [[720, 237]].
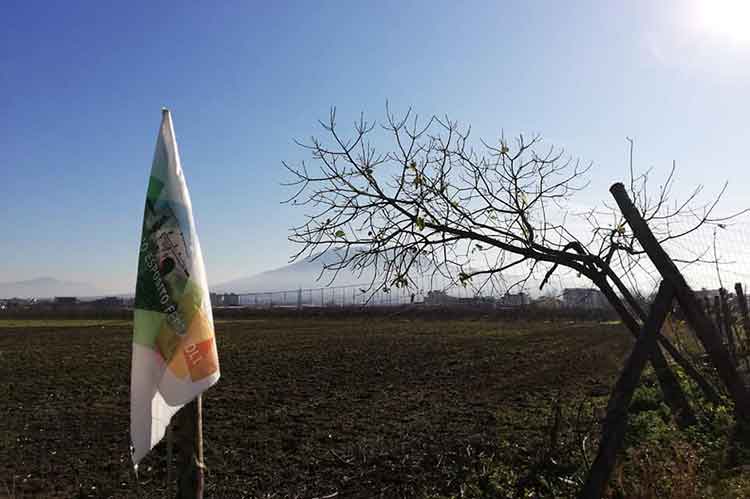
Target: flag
[[174, 349]]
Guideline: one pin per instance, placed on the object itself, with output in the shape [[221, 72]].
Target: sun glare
[[727, 18]]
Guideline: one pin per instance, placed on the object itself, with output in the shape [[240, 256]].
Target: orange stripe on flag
[[201, 359]]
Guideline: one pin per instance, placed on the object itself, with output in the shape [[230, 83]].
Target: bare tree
[[489, 216]]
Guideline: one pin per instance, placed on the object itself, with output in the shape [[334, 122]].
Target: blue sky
[[82, 84]]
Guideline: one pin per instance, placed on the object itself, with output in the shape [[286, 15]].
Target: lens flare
[[726, 18]]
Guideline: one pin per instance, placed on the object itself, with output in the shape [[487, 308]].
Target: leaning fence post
[[615, 422], [708, 390], [702, 325], [674, 395]]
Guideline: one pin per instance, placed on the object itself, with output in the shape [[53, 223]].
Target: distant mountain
[[302, 274], [46, 287]]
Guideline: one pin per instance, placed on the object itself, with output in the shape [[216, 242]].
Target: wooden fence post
[[707, 305], [742, 302], [717, 319], [615, 422], [728, 324], [702, 325]]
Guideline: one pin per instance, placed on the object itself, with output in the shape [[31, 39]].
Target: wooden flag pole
[[199, 445], [170, 458], [189, 443]]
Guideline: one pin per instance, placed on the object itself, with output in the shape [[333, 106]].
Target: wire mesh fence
[[345, 296], [718, 256], [710, 256]]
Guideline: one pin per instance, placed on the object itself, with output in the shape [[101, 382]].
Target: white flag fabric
[[174, 348]]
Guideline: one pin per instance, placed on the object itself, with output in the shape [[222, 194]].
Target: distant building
[[215, 299], [108, 302], [65, 300], [225, 299], [478, 300], [548, 302], [514, 300], [16, 303], [439, 298], [704, 293], [231, 300], [588, 298]]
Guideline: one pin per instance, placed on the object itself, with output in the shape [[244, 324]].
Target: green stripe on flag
[[155, 187], [190, 302], [146, 327]]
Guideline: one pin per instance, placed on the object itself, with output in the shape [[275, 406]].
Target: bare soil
[[362, 407]]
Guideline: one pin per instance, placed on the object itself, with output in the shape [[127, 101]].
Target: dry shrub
[[657, 470]]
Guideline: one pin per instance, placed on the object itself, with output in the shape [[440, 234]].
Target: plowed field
[[305, 408]]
